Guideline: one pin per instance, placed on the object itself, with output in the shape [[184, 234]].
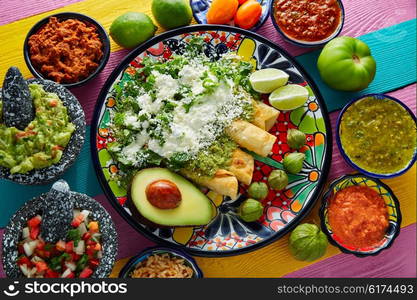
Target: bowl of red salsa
[[307, 23], [360, 215]]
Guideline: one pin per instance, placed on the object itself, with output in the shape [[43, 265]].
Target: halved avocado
[[193, 209]]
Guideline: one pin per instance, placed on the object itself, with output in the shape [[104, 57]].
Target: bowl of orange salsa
[[360, 215], [307, 23]]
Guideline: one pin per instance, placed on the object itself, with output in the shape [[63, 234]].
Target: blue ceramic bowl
[[348, 159], [391, 201], [302, 43], [201, 7], [133, 262], [64, 16]]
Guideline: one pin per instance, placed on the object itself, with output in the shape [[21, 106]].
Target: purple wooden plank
[[397, 261], [12, 10]]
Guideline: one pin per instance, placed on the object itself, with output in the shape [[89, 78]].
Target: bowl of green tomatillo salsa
[[376, 134]]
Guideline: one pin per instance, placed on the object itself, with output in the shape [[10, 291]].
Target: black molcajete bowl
[[13, 232], [70, 154], [64, 16]]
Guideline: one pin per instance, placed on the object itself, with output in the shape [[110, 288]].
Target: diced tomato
[[90, 251], [57, 147], [53, 102], [20, 248], [75, 256], [40, 245], [70, 275], [86, 236], [34, 232], [86, 272], [90, 243], [77, 220], [35, 221], [51, 274], [24, 134], [60, 245], [94, 263], [93, 226], [97, 247], [24, 260], [43, 253], [41, 266], [69, 247]]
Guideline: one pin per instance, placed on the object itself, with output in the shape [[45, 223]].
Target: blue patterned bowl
[[349, 160], [201, 7], [386, 193], [134, 261]]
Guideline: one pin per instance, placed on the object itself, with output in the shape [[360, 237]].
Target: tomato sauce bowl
[[379, 189], [307, 23]]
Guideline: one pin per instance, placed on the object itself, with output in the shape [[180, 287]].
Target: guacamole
[[42, 142], [378, 135]]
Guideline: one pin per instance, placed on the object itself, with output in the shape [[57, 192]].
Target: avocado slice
[[193, 209]]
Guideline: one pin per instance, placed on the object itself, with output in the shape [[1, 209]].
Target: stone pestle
[[57, 212], [18, 109]]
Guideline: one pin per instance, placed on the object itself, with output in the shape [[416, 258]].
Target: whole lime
[[131, 29], [172, 13]]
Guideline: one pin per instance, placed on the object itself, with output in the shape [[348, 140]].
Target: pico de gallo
[[75, 257]]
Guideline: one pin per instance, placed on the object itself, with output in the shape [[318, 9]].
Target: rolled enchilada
[[251, 137], [223, 182], [242, 166], [264, 116]]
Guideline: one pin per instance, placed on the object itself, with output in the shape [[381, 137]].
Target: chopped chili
[[66, 51], [307, 20]]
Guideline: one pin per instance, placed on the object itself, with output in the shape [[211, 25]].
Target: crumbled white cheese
[[166, 85], [131, 151]]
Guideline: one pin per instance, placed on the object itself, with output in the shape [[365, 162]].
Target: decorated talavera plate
[[227, 234], [391, 201], [200, 9]]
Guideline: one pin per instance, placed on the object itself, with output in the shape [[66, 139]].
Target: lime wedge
[[267, 80], [288, 97]]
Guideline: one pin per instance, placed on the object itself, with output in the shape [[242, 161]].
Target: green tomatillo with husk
[[346, 64], [307, 242], [250, 210]]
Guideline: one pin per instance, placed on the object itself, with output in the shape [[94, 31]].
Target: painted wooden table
[[362, 16]]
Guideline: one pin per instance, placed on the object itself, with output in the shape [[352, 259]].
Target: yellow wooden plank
[[12, 35], [275, 260]]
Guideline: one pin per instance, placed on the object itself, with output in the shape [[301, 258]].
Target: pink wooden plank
[[12, 10], [397, 261]]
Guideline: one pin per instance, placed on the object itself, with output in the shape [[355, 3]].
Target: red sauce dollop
[[358, 216], [307, 20]]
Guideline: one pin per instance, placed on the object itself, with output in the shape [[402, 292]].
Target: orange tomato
[[248, 14], [242, 1], [222, 11]]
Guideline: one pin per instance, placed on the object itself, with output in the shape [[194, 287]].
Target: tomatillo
[[346, 64]]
